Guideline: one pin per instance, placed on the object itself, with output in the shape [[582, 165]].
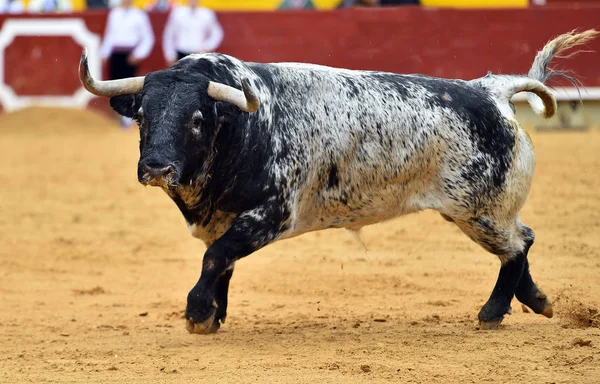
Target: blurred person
[[384, 3], [190, 29], [128, 40], [11, 6], [160, 6], [97, 4], [297, 4], [359, 3], [50, 6], [379, 3]]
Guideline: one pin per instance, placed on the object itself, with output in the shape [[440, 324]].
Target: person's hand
[[133, 60]]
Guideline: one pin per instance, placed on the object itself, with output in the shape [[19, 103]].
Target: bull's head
[[178, 118]]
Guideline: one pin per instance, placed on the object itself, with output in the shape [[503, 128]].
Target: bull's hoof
[[491, 315], [209, 324], [543, 304], [548, 310], [204, 328], [539, 303], [488, 325]]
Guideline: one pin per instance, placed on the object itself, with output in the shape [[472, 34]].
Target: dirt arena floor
[[95, 269]]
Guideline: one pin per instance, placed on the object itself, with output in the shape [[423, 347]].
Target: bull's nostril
[[157, 172]]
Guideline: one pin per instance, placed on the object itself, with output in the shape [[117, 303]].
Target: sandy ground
[[95, 269]]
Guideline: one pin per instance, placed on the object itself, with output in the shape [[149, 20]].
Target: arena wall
[[39, 54]]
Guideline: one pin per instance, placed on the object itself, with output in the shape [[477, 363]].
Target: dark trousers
[[384, 3], [119, 67]]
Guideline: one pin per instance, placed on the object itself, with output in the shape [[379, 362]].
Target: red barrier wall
[[440, 42]]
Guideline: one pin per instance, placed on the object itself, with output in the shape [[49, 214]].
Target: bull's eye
[[197, 119]]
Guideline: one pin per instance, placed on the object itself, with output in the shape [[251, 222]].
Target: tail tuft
[[555, 48], [545, 105]]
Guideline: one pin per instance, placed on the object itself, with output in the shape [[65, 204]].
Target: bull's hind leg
[[510, 241], [530, 295]]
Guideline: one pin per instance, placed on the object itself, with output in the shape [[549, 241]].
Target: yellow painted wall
[[255, 5], [241, 5], [269, 5], [78, 5], [326, 4], [225, 5], [476, 3]]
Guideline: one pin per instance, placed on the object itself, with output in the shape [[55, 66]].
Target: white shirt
[[191, 31], [128, 28]]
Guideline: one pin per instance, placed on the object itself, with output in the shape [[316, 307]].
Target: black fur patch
[[333, 177]]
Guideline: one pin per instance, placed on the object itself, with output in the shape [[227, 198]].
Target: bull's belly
[[329, 210]]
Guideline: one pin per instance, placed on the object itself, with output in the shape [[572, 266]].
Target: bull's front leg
[[221, 293], [207, 301]]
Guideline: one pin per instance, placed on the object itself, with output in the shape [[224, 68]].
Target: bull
[[253, 153]]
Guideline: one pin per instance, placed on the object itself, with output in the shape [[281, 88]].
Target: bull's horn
[[107, 88], [246, 100]]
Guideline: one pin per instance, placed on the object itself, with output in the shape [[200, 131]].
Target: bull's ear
[[126, 105], [226, 112]]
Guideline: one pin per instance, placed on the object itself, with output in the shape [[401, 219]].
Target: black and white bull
[[304, 147]]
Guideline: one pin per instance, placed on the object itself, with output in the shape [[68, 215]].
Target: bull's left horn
[[107, 88], [245, 100]]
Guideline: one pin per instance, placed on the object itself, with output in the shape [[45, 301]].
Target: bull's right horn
[[107, 88], [245, 100]]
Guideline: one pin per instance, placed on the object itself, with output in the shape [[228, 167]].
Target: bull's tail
[[505, 87], [539, 69], [554, 48]]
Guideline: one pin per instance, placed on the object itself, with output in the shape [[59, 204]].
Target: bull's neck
[[236, 166]]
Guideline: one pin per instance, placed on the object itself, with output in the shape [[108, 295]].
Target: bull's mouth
[[163, 182], [167, 180]]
